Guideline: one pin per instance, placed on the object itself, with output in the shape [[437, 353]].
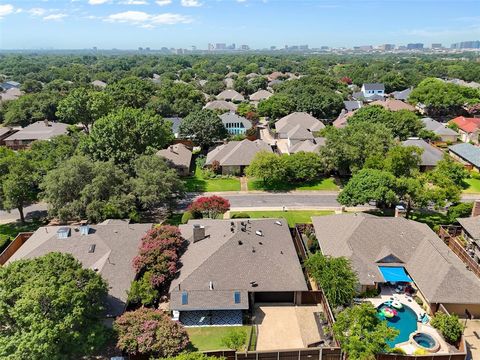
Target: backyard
[[326, 184], [197, 183], [9, 231], [473, 185], [293, 217], [210, 337]]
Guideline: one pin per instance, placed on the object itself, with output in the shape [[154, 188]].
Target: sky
[[129, 24]]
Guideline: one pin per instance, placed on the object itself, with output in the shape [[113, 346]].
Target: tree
[[449, 326], [84, 106], [369, 185], [155, 184], [449, 171], [131, 92], [51, 309], [304, 166], [31, 86], [203, 127], [362, 335], [461, 210], [159, 252], [335, 276], [403, 160], [142, 291], [276, 106], [176, 99], [235, 340], [210, 206], [150, 332], [267, 166], [19, 186], [124, 135]]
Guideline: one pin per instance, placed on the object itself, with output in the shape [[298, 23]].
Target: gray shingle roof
[[220, 105], [364, 239], [178, 154], [437, 127], [40, 131], [231, 118], [176, 121], [351, 105], [307, 145], [99, 83], [232, 261], [230, 95], [116, 245], [237, 153], [430, 156], [260, 95], [468, 152], [305, 120], [374, 86], [402, 95], [471, 226]]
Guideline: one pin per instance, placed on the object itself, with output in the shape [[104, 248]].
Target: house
[[108, 248], [297, 126], [235, 124], [221, 105], [12, 93], [469, 128], [5, 132], [443, 132], [401, 95], [342, 119], [370, 89], [393, 105], [230, 265], [467, 154], [99, 84], [378, 246], [40, 130], [260, 95], [234, 156], [312, 145], [471, 231], [230, 95], [430, 155], [10, 85], [179, 156], [276, 75], [251, 76], [231, 74], [352, 105], [175, 121]]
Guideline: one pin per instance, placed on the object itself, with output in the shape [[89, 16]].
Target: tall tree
[[51, 309], [131, 92], [203, 127], [267, 166]]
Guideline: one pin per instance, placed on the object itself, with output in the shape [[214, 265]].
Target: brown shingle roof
[[237, 153]]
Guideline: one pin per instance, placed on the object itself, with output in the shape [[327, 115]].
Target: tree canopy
[[203, 127]]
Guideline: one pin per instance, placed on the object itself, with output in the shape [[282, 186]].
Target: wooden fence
[[14, 246], [296, 354]]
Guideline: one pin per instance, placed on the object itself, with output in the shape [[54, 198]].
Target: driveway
[[472, 337]]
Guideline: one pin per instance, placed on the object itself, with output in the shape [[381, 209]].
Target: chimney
[[198, 232], [172, 149], [46, 122], [400, 211], [476, 208]]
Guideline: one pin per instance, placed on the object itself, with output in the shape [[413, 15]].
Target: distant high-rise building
[[436, 46], [147, 49], [273, 48], [303, 47], [94, 48], [415, 46], [140, 48], [194, 48], [363, 48], [244, 47], [220, 46], [387, 47], [467, 45], [211, 47], [324, 48]]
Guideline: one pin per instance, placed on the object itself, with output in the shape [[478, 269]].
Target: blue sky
[[128, 24]]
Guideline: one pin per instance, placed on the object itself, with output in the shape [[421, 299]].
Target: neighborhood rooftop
[[40, 130], [430, 155], [467, 152], [237, 153]]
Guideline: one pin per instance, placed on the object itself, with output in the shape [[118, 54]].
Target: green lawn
[[321, 184], [210, 337], [293, 217], [473, 185], [197, 183], [431, 218], [9, 231]]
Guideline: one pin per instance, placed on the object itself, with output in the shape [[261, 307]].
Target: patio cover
[[394, 274]]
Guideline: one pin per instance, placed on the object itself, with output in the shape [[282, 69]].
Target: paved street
[[35, 210]]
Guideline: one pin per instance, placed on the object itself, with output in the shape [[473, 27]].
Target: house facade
[[430, 155], [467, 154], [235, 124], [469, 129], [178, 156], [371, 89], [444, 133]]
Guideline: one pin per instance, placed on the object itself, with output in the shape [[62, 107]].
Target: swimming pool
[[405, 321], [425, 340]]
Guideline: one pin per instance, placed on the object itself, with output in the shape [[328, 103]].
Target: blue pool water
[[424, 340], [405, 321]]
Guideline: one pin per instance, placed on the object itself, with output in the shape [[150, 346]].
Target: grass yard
[[326, 184], [473, 185], [9, 231], [293, 217], [197, 183], [431, 218], [210, 337]]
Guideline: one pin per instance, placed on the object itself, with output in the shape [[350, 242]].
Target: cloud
[[241, 1], [55, 17], [146, 20], [37, 11], [97, 2], [6, 9], [163, 2], [134, 2], [191, 3]]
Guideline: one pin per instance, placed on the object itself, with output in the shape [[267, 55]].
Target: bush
[[418, 301], [142, 291], [241, 215], [398, 351], [475, 175], [211, 206], [187, 215], [192, 356], [449, 326], [312, 243], [235, 339], [459, 210]]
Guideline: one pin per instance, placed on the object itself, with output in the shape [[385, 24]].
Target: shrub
[[210, 206], [418, 300], [142, 291], [449, 326], [312, 243], [235, 339], [216, 166], [187, 215], [150, 332], [398, 351], [459, 210], [192, 356], [241, 215], [475, 175]]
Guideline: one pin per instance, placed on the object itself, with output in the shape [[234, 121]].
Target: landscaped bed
[[293, 217], [326, 184], [210, 337], [198, 183]]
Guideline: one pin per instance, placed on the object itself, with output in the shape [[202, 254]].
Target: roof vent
[[91, 249], [198, 232], [63, 232], [278, 222], [253, 283], [259, 232], [210, 285], [240, 242]]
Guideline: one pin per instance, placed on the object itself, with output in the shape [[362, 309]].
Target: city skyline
[[260, 24]]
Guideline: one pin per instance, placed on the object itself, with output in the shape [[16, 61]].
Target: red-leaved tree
[[150, 332], [210, 206], [159, 253]]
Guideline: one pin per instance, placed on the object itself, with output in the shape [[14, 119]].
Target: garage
[[275, 297]]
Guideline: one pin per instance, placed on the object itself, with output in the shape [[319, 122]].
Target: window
[[236, 297], [184, 298]]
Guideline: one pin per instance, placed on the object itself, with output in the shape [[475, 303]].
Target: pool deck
[[386, 294]]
